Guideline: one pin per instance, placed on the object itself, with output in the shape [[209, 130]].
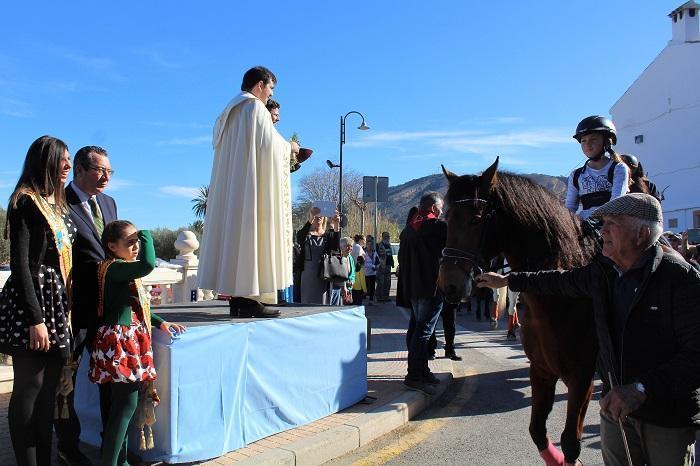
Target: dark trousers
[[371, 281], [32, 403], [648, 443], [68, 430], [448, 315], [358, 296], [425, 313]]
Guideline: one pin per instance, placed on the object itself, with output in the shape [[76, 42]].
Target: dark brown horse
[[504, 213]]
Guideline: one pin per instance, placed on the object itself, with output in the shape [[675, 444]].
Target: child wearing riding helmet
[[604, 176]]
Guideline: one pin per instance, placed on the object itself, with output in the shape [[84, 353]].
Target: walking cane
[[622, 429]]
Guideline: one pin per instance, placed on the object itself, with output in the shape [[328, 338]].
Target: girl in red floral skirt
[[121, 360]]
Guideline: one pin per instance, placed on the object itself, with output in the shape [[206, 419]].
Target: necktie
[[96, 216]]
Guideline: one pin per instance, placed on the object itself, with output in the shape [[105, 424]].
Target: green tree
[[200, 202], [198, 228]]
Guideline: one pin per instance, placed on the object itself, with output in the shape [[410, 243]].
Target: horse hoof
[[493, 324]]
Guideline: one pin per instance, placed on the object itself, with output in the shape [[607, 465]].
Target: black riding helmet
[[596, 124], [632, 162]]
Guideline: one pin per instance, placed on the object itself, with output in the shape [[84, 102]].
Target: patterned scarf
[[138, 293], [60, 234]]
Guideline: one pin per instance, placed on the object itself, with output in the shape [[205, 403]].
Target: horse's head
[[471, 223]]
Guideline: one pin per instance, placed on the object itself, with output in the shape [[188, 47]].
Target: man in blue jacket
[[646, 304]]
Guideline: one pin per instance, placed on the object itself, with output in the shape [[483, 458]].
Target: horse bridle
[[461, 258]]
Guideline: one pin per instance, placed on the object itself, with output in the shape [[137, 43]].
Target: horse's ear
[[448, 174], [488, 178]]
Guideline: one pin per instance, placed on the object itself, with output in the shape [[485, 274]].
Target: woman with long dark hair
[[34, 313]]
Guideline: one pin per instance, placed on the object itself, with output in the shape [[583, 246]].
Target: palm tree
[[200, 202]]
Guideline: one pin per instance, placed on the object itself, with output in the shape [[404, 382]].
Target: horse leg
[[580, 389], [543, 386]]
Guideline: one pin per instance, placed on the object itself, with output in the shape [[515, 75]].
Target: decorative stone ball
[[186, 243]]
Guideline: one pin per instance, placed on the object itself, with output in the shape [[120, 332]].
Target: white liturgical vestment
[[247, 245]]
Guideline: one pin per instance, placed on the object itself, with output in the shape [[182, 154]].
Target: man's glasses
[[103, 171]]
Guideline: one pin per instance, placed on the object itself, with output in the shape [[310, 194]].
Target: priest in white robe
[[247, 245]]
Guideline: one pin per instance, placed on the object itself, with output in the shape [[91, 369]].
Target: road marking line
[[423, 429]]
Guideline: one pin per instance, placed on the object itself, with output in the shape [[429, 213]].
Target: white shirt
[[84, 198], [593, 180]]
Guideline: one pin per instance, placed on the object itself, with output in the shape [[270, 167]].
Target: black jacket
[[660, 344], [29, 240], [87, 252], [331, 241], [419, 261]]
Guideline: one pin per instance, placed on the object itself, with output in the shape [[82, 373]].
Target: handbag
[[333, 267]]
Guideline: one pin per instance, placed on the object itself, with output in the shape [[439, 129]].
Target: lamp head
[[331, 164], [363, 126]]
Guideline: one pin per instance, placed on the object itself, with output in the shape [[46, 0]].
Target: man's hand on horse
[[491, 280], [621, 401]]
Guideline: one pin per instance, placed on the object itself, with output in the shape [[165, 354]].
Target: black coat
[[87, 252], [660, 343], [331, 243], [29, 242], [419, 261]]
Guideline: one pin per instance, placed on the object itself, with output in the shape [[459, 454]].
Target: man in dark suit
[[91, 210]]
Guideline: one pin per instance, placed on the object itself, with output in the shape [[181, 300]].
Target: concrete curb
[[354, 434]]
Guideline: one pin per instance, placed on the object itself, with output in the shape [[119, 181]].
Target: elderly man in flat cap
[[647, 312]]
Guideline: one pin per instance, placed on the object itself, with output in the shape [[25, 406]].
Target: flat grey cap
[[639, 205]]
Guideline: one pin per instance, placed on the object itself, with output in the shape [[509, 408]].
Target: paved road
[[483, 418]]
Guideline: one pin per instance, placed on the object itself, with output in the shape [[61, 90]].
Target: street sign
[[375, 188]]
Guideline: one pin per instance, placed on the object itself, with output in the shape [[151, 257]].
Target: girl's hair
[[613, 155], [359, 263], [41, 172], [113, 232]]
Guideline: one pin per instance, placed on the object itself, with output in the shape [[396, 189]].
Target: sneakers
[[419, 386]]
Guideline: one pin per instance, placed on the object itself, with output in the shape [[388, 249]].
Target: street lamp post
[[362, 127]]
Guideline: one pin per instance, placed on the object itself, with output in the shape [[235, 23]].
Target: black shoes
[[248, 308], [74, 458], [431, 379], [419, 386], [452, 355]]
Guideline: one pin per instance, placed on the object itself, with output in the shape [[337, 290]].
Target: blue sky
[[439, 82]]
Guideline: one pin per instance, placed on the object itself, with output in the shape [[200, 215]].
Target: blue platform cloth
[[224, 386]]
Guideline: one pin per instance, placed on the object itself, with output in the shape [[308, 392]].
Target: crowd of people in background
[[368, 263]]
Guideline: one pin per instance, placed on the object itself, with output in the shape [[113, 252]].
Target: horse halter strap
[[476, 259]]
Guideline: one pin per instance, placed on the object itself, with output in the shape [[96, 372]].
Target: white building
[[658, 120]]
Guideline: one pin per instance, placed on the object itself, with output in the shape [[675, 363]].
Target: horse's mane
[[535, 208], [552, 233]]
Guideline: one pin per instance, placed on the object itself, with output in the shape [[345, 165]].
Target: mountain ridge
[[402, 197]]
